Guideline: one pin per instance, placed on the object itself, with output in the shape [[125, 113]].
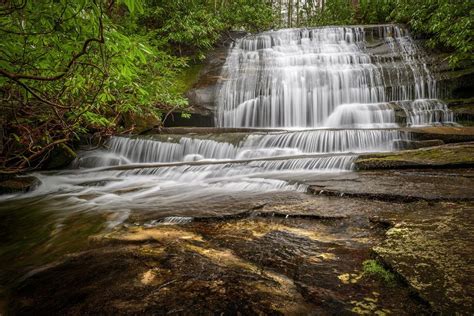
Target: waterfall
[[319, 97], [302, 78], [338, 92]]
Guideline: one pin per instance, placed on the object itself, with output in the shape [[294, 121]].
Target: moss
[[373, 269], [465, 122], [459, 101], [468, 109], [434, 156], [188, 77], [61, 156]]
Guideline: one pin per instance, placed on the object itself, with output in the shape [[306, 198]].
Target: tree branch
[[16, 76]]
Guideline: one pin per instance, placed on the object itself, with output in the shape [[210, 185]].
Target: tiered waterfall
[[319, 97]]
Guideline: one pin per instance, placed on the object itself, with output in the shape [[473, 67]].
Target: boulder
[[18, 184]]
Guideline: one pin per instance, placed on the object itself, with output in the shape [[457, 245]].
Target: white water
[[335, 93], [124, 150], [326, 77]]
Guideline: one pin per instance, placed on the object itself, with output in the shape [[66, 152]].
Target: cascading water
[[327, 77], [335, 92]]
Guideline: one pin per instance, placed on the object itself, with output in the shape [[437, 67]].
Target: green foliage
[[67, 68], [375, 11], [449, 24], [252, 16], [374, 269], [187, 28], [335, 12], [74, 67]]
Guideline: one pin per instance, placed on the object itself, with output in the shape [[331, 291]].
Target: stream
[[310, 101]]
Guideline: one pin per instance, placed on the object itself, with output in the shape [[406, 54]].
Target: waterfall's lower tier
[[163, 172], [176, 148]]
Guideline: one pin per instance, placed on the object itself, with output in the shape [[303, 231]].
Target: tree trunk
[[290, 12], [297, 13], [280, 20]]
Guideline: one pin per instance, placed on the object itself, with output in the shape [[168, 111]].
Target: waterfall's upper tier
[[329, 35], [298, 77]]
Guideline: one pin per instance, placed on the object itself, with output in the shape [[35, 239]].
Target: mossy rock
[[374, 269], [61, 156], [446, 156]]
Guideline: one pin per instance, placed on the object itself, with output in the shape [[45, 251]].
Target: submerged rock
[[246, 266], [18, 184]]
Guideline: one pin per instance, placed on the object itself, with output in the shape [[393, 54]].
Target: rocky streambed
[[319, 194], [378, 242]]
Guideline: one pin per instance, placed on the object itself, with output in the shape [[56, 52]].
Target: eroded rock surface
[[248, 266], [286, 253], [432, 250]]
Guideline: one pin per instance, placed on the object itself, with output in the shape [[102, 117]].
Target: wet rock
[[463, 110], [140, 123], [448, 134], [18, 184], [432, 251], [246, 266], [454, 83], [212, 130], [61, 156], [400, 185], [202, 95], [446, 156], [410, 144]]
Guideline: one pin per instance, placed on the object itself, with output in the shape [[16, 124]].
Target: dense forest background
[[70, 68]]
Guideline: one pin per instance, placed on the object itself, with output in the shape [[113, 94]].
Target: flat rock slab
[[448, 134], [444, 156], [400, 185], [433, 250]]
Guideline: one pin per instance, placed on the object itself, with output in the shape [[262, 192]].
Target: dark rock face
[[201, 96], [205, 119], [61, 156], [406, 144]]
